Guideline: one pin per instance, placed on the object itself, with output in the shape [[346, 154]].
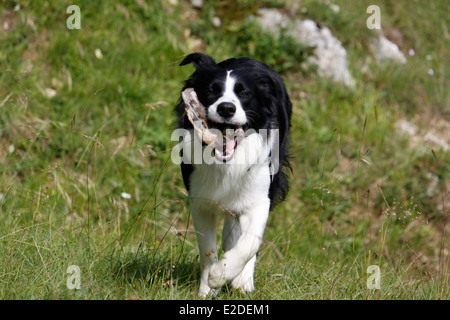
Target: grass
[[86, 115]]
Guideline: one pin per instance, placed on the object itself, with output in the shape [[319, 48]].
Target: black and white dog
[[248, 175]]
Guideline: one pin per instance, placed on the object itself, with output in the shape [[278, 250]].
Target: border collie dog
[[247, 176]]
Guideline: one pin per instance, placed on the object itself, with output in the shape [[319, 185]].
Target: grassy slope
[[358, 192]]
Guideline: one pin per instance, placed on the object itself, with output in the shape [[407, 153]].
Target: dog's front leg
[[205, 228], [252, 224]]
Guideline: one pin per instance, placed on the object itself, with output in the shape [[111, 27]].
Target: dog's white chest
[[231, 185]]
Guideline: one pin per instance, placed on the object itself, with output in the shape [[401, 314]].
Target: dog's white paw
[[206, 292], [243, 282], [218, 274]]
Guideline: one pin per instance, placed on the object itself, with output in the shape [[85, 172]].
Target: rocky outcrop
[[329, 56]]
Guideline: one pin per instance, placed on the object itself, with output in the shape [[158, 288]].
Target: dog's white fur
[[238, 191]]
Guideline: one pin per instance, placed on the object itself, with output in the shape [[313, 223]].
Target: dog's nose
[[226, 109]]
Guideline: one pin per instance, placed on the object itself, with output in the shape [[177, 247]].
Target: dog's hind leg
[[230, 233]]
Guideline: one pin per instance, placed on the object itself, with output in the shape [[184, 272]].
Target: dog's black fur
[[261, 92]]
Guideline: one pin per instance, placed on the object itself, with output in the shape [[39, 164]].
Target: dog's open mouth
[[227, 141], [223, 137]]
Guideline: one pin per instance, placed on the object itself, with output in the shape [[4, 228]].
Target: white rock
[[271, 20], [417, 138], [434, 182], [433, 139], [384, 49], [330, 56], [197, 3], [216, 22], [406, 127]]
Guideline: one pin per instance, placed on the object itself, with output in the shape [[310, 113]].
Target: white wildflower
[[98, 53], [125, 195]]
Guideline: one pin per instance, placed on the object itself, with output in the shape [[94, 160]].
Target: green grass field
[[87, 115]]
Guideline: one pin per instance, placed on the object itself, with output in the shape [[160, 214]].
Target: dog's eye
[[243, 94], [209, 92]]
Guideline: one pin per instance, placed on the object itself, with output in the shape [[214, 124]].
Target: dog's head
[[237, 93]]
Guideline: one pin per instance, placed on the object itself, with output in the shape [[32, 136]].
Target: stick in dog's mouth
[[223, 137]]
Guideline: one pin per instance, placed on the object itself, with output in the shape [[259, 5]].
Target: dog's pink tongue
[[229, 145]]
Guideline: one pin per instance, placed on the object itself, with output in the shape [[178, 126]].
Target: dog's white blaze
[[239, 117]]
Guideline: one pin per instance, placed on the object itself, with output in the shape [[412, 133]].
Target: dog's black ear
[[199, 60]]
